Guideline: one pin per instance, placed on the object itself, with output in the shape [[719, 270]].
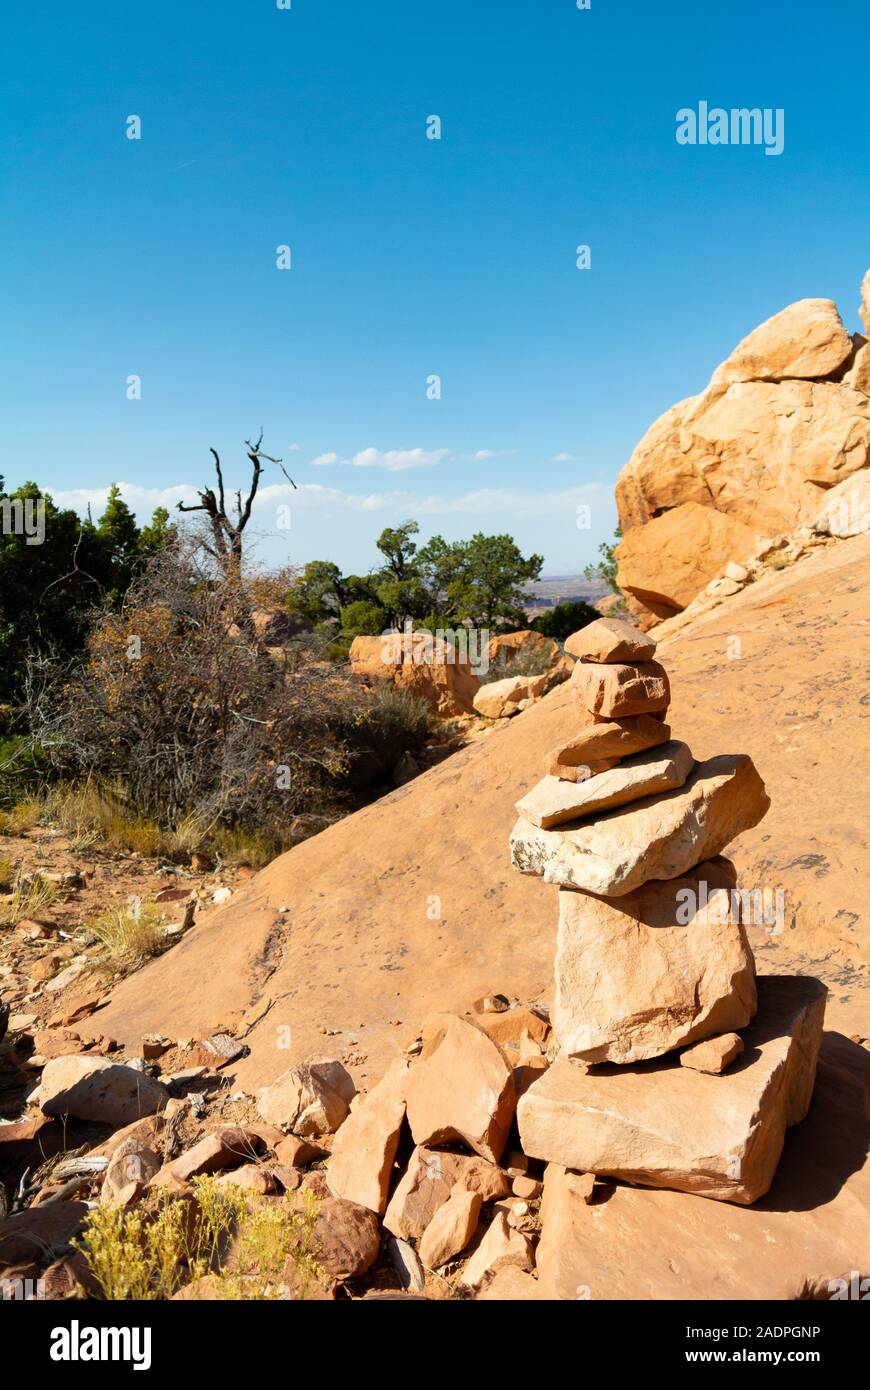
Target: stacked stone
[[651, 953]]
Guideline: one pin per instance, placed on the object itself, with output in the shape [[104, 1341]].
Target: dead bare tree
[[226, 545]]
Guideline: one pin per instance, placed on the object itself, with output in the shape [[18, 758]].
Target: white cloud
[[398, 459], [563, 458], [323, 459]]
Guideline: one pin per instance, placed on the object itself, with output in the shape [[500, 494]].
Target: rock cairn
[[652, 954]]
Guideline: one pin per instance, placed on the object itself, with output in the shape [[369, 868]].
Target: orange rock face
[[784, 418], [672, 557], [420, 664]]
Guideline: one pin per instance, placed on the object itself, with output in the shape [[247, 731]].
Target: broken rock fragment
[[462, 1088], [361, 1165], [310, 1099]]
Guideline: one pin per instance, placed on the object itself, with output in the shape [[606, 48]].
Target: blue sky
[[307, 127]]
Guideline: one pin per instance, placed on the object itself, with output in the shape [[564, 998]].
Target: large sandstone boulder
[[659, 837], [665, 965], [662, 1125], [807, 339], [346, 1238], [785, 417], [672, 557], [501, 699], [419, 663], [760, 452]]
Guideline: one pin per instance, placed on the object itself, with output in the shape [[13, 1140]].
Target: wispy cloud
[[563, 458], [398, 459], [394, 460]]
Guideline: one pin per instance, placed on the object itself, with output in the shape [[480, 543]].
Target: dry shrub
[[29, 898], [246, 1250], [129, 935], [25, 816], [180, 701], [518, 662]]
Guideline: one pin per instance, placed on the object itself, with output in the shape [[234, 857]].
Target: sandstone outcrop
[[419, 663], [784, 418]]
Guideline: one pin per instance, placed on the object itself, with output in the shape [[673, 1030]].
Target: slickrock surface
[[659, 837], [554, 801], [662, 1125], [665, 965]]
